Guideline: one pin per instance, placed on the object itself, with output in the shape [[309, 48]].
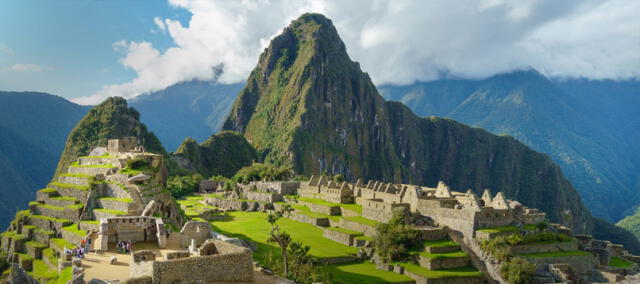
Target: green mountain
[[308, 105], [113, 118], [33, 127], [222, 154], [570, 120], [188, 109]]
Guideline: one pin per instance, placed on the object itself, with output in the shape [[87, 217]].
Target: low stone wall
[[89, 226], [433, 234], [355, 226], [72, 237], [449, 280], [65, 213], [67, 191], [343, 238], [582, 264], [537, 248], [233, 263], [348, 213], [41, 236], [267, 197], [75, 180], [48, 224], [41, 196], [320, 222], [482, 235], [59, 202], [323, 209], [338, 259], [35, 252], [444, 262], [88, 171], [114, 204]]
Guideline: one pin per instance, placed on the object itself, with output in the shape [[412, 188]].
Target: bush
[[517, 270], [265, 172], [138, 164], [338, 178], [499, 246], [394, 239], [180, 186]]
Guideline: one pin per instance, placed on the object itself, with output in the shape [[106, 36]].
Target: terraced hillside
[[70, 208]]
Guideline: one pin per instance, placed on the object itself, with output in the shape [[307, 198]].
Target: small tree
[[338, 178], [394, 239], [517, 270], [281, 238]]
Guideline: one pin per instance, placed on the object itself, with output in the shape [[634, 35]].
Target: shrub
[[394, 239], [180, 186], [517, 270], [265, 172], [338, 178]]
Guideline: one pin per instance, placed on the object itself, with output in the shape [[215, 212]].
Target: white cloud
[[398, 41], [24, 68]]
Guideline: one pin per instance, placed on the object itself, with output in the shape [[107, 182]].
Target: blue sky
[[89, 50], [72, 42]]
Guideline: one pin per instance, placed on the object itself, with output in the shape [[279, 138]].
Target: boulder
[[138, 178], [113, 260]]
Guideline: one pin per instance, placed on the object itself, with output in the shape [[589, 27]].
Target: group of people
[[76, 252], [124, 246]]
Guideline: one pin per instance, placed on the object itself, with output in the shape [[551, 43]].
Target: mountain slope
[[33, 127], [307, 104], [222, 154], [538, 112], [113, 118], [189, 109]]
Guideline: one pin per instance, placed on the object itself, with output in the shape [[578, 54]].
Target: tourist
[[88, 244]]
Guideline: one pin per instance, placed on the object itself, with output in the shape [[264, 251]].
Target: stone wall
[[114, 204], [355, 226], [456, 219], [582, 264], [268, 197], [193, 230], [537, 248], [66, 191], [135, 229], [233, 263], [323, 209], [321, 222], [379, 210], [72, 237], [338, 236], [65, 213], [443, 262], [281, 187]]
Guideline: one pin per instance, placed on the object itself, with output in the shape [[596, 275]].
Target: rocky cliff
[[308, 105], [111, 119]]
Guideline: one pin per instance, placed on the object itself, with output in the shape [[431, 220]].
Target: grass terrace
[[213, 195], [50, 255], [468, 271], [74, 229], [61, 243], [76, 175], [36, 244], [124, 200], [102, 166], [47, 190], [304, 210], [619, 262], [440, 243], [362, 220], [345, 231], [110, 211], [499, 229], [98, 157], [75, 206], [442, 255], [50, 219], [65, 198], [370, 239], [254, 226], [57, 208], [557, 254], [349, 206], [364, 272], [42, 271], [13, 235], [69, 185]]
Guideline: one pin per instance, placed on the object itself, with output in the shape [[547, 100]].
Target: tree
[[394, 239], [517, 270], [281, 238]]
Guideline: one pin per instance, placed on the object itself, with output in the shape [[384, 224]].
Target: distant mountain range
[[33, 128], [588, 127]]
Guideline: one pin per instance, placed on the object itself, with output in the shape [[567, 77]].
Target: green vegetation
[[395, 239], [36, 244], [65, 198], [74, 229], [349, 206], [47, 190], [180, 186], [265, 172], [304, 210], [111, 119], [500, 229], [98, 166], [77, 206], [345, 231], [50, 255], [69, 185], [370, 239], [440, 243], [223, 154], [517, 270], [13, 235], [557, 254], [110, 211], [61, 243], [124, 200], [64, 276], [363, 272], [499, 246], [77, 175], [442, 255], [57, 220], [619, 262], [445, 273], [3, 261], [105, 156], [46, 206], [362, 220], [42, 271]]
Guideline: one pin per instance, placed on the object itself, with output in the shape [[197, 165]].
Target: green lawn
[[557, 254], [69, 185], [306, 211], [124, 200], [619, 262], [111, 211], [440, 243], [350, 206], [362, 220], [443, 255], [254, 226], [343, 230], [363, 272], [42, 271], [446, 273], [499, 229], [74, 229]]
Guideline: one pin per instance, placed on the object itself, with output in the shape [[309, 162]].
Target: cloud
[[400, 41], [24, 68], [4, 49]]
